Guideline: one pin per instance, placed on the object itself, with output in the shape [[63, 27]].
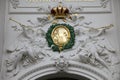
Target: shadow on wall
[[62, 76]]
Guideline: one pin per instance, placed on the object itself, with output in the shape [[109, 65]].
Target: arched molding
[[49, 67], [88, 71]]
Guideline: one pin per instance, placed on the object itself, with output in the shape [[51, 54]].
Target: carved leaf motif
[[104, 3], [15, 3]]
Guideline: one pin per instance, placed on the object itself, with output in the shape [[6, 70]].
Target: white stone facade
[[24, 52]]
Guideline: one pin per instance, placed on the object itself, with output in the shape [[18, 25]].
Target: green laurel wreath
[[53, 45]]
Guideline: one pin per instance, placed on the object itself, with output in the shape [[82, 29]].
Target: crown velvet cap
[[59, 12]]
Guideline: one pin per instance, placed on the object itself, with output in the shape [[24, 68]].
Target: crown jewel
[[59, 12]]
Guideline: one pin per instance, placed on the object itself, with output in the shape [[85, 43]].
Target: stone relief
[[27, 48], [103, 5], [91, 47]]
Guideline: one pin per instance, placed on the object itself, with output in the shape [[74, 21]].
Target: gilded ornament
[[60, 37]]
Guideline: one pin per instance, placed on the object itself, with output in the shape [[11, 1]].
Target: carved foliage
[[104, 3], [15, 3]]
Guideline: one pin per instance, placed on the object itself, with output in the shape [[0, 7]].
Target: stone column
[[2, 24]]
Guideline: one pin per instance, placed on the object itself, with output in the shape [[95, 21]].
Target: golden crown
[[59, 12]]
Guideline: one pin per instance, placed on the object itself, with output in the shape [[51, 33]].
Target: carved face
[[60, 36]]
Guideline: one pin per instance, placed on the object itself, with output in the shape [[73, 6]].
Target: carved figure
[[26, 49], [92, 45]]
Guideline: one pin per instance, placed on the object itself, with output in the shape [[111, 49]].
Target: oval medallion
[[60, 36]]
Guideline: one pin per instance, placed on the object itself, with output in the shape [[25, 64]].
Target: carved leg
[[9, 65], [31, 54], [106, 45], [17, 63], [101, 60], [13, 63], [110, 49]]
